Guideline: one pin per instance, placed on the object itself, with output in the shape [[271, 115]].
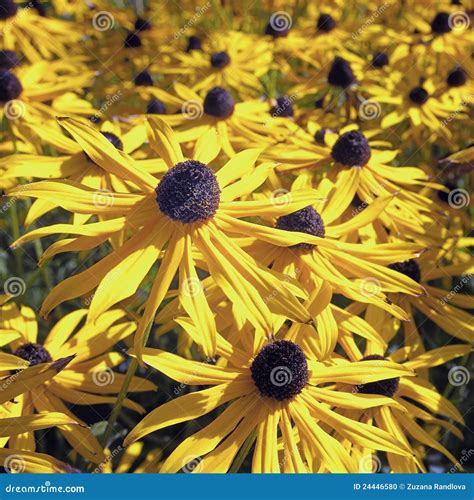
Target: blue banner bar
[[238, 486]]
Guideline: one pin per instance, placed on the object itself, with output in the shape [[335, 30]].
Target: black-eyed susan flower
[[191, 205], [269, 387], [241, 125], [38, 37], [38, 92], [419, 400], [89, 379], [75, 165], [426, 113], [235, 60], [446, 308], [351, 164], [324, 259]]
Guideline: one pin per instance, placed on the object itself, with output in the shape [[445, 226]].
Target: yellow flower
[[234, 61], [351, 164], [75, 165], [403, 421], [189, 206], [268, 387], [241, 125], [38, 38], [82, 366]]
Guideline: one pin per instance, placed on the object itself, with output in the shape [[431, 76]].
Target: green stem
[[243, 452], [132, 367], [114, 414]]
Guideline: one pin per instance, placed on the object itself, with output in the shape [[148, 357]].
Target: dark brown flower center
[[280, 370], [189, 192]]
